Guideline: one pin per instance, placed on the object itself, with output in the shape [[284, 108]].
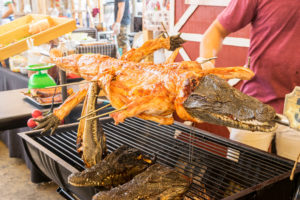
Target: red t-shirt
[[274, 46]]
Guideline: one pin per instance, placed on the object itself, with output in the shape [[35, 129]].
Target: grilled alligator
[[154, 92], [117, 168], [91, 138], [157, 182], [146, 90]]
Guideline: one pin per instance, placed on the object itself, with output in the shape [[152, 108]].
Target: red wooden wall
[[199, 22]]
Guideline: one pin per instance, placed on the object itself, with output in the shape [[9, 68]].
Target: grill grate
[[193, 152], [103, 49]]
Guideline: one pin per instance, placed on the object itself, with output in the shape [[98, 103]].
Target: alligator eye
[[194, 82], [139, 157]]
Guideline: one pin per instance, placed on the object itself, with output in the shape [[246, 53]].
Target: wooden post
[[20, 5], [42, 7], [89, 12], [133, 14], [80, 13], [52, 4], [148, 35], [101, 10], [63, 80]]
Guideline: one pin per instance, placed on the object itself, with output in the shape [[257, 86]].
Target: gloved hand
[[116, 28], [205, 65]]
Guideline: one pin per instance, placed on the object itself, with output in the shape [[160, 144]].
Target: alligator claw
[[176, 41], [48, 122]]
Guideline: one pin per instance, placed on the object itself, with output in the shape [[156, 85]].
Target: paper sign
[[292, 108]]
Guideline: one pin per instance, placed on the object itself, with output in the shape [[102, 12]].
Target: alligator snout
[[215, 101], [265, 113]]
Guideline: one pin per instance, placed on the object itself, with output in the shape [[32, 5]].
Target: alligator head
[[117, 168], [214, 101], [157, 182]]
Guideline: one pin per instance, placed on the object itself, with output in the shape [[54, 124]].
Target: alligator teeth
[[248, 124]]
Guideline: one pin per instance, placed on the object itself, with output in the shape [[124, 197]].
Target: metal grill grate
[[103, 49], [92, 32], [193, 152]]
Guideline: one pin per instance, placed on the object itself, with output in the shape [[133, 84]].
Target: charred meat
[[157, 182], [117, 168]]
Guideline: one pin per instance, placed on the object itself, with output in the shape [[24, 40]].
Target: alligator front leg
[[52, 120], [173, 56], [231, 72]]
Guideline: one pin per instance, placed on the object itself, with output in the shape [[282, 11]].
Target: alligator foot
[[117, 168], [175, 42], [48, 122]]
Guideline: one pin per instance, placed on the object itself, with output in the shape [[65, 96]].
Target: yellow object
[[15, 69], [14, 34], [292, 108]]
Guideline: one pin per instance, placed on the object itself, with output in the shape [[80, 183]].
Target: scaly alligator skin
[[215, 101], [117, 168], [90, 137], [156, 183]]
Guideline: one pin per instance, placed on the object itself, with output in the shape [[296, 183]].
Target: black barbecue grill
[[245, 173]]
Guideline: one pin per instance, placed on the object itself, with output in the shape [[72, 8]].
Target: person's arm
[[10, 10], [121, 8], [212, 42], [235, 16], [117, 24]]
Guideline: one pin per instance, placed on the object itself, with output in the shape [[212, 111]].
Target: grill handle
[[297, 194], [64, 194]]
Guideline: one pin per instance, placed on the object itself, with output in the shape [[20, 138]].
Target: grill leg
[[64, 194], [297, 195]]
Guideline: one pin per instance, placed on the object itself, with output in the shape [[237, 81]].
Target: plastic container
[[40, 80], [287, 142], [259, 140]]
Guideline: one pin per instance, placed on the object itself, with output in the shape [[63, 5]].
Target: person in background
[[274, 52], [122, 24], [7, 9]]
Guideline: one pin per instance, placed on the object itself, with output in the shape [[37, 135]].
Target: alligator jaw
[[117, 168], [215, 101], [223, 120]]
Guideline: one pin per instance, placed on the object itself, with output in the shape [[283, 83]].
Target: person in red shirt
[[275, 58]]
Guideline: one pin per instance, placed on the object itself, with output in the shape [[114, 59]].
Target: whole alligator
[[155, 91]]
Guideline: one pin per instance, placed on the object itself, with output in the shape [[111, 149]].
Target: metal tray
[[33, 100]]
